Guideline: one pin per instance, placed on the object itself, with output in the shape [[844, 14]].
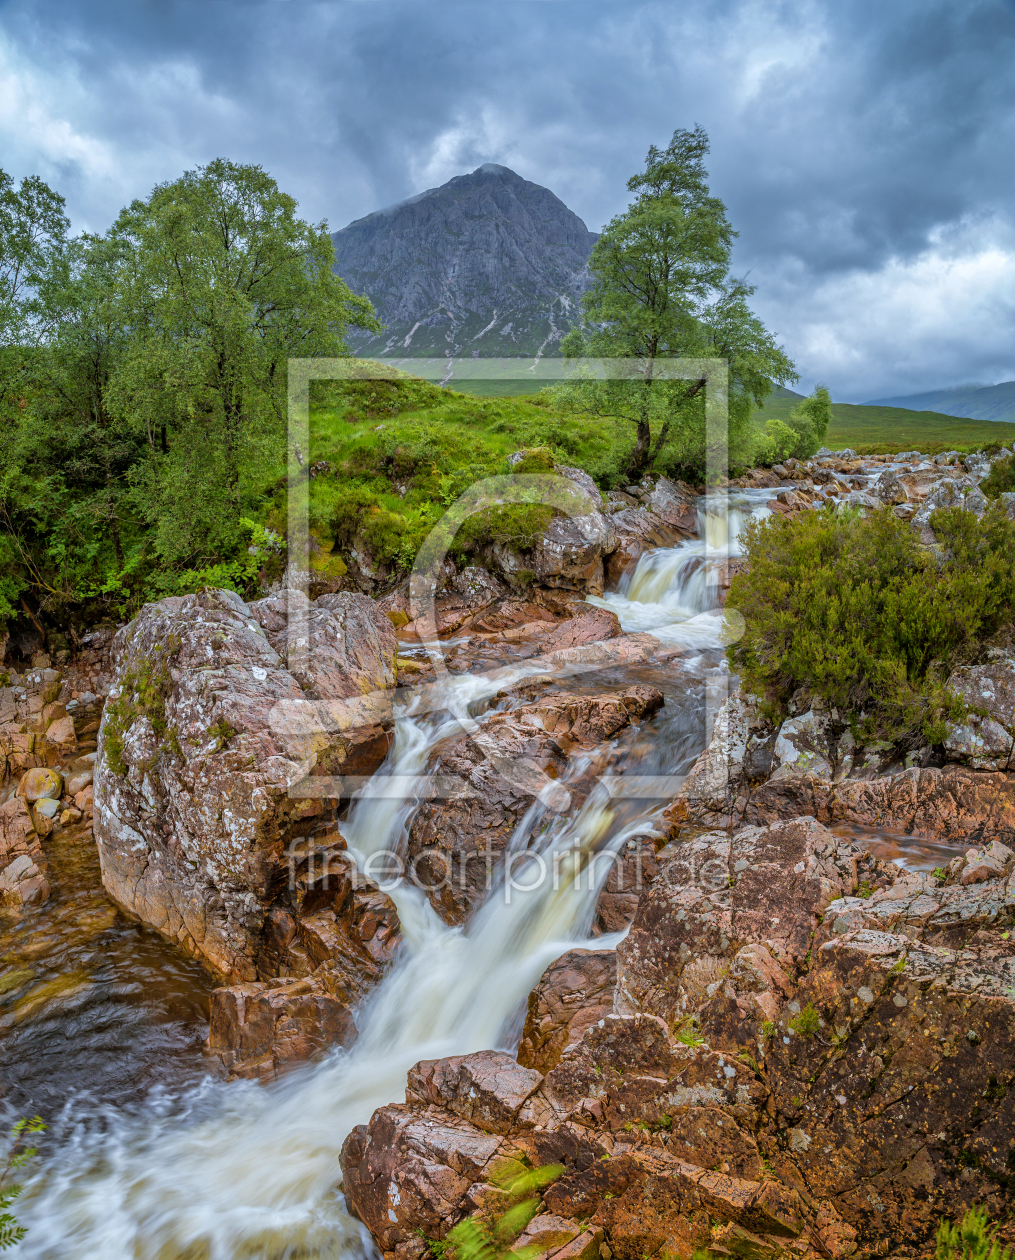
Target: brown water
[[91, 1003], [912, 853]]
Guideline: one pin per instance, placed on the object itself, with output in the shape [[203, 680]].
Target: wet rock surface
[[789, 1068], [657, 513], [494, 775], [193, 812]]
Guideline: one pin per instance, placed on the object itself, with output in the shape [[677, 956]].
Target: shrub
[[972, 1238], [1001, 479], [516, 526], [863, 618]]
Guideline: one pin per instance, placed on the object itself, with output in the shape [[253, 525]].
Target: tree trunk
[[642, 452], [114, 532]]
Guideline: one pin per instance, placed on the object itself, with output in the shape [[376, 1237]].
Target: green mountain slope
[[859, 425]]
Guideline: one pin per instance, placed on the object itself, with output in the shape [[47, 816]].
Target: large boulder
[[193, 811], [569, 554]]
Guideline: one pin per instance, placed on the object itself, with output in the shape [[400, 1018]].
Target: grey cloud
[[845, 136]]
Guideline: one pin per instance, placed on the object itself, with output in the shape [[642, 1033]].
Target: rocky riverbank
[[798, 1048]]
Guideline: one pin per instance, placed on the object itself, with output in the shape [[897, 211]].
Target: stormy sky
[[866, 151]]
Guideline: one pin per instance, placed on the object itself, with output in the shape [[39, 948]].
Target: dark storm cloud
[[859, 147]]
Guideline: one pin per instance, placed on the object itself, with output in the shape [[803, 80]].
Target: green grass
[[873, 430], [400, 452]]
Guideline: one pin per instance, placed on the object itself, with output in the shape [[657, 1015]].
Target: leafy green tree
[[661, 288], [33, 230], [65, 501], [32, 227], [222, 284], [802, 433]]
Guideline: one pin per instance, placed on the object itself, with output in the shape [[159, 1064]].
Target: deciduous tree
[[661, 288]]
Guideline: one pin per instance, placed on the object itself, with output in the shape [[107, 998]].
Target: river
[[152, 1156]]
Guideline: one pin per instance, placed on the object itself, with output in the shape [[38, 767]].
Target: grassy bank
[[881, 430]]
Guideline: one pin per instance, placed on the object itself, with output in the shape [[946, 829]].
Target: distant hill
[[487, 264], [976, 402], [863, 425]]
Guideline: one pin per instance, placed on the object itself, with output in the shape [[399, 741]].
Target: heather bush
[[869, 622]]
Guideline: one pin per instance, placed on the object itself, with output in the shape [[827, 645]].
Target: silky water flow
[[238, 1171]]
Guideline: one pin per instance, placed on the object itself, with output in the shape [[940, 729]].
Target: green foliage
[[799, 434], [812, 416], [1001, 479], [807, 1023], [661, 287], [143, 396], [389, 484], [479, 1239], [18, 1155], [33, 228], [856, 612], [972, 1238], [516, 526]]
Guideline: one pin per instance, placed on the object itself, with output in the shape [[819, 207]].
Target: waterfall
[[673, 592], [238, 1171], [241, 1170]]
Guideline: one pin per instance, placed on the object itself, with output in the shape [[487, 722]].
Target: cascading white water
[[246, 1171], [673, 591], [243, 1172]]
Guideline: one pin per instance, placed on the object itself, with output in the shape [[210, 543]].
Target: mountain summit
[[486, 264]]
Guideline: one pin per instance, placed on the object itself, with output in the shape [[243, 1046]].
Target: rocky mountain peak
[[488, 263]]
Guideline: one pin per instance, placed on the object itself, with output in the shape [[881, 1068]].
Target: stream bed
[[151, 1155]]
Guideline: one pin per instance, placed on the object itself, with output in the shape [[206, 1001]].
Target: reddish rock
[[954, 804], [411, 1170], [21, 883], [591, 625], [456, 842], [17, 832], [573, 993], [259, 1030], [490, 1089], [837, 1077], [60, 733]]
